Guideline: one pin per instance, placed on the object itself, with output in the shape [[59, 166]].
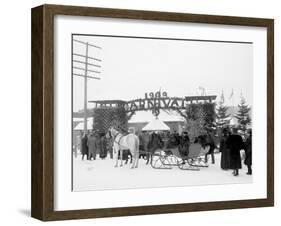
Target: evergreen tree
[[243, 115], [209, 110], [195, 121], [222, 116], [106, 117], [198, 118]]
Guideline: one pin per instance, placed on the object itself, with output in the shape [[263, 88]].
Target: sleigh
[[172, 157]]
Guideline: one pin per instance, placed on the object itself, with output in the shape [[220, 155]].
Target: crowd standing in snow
[[230, 146]]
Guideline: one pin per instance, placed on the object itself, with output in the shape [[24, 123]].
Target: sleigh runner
[[169, 158]]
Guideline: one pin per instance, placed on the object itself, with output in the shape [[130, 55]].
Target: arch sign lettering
[[154, 101]]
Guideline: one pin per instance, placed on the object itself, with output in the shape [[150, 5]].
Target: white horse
[[123, 142]]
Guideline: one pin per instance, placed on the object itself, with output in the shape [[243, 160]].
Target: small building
[[142, 119]]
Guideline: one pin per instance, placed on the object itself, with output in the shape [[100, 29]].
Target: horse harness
[[118, 142]]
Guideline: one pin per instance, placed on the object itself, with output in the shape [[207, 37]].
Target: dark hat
[[225, 130]]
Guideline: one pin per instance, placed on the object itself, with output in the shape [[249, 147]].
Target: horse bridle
[[114, 137]]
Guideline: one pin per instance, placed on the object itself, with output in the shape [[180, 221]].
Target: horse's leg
[[147, 158], [137, 159], [151, 157], [131, 156], [135, 155], [126, 158], [121, 157], [117, 153], [128, 154], [133, 159]]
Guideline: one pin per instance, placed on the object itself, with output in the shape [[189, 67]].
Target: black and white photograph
[[139, 112], [153, 112]]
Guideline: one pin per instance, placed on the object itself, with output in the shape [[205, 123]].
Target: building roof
[[156, 125], [80, 125], [107, 101]]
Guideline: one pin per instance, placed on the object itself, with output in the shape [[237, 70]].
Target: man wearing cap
[[248, 152]]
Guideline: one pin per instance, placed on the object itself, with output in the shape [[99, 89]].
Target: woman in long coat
[[92, 144], [84, 146], [103, 151], [235, 145], [225, 152]]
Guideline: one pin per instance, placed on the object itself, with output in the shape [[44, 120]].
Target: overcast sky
[[131, 67]]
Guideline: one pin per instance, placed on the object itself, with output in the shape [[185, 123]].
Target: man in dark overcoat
[[248, 152], [235, 145], [184, 145], [210, 141], [225, 152], [103, 151], [84, 146], [98, 142]]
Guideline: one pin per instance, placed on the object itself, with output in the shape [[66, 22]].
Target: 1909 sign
[[160, 100], [155, 95]]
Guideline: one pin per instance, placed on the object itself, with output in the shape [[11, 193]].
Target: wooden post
[[85, 90]]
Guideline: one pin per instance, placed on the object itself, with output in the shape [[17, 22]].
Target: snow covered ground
[[102, 175]]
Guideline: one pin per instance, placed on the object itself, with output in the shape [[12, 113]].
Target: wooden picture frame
[[42, 203]]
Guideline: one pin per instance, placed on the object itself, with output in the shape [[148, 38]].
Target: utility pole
[[85, 68], [86, 90]]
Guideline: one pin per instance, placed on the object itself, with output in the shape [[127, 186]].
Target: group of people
[[96, 143], [151, 141], [155, 140], [231, 144]]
